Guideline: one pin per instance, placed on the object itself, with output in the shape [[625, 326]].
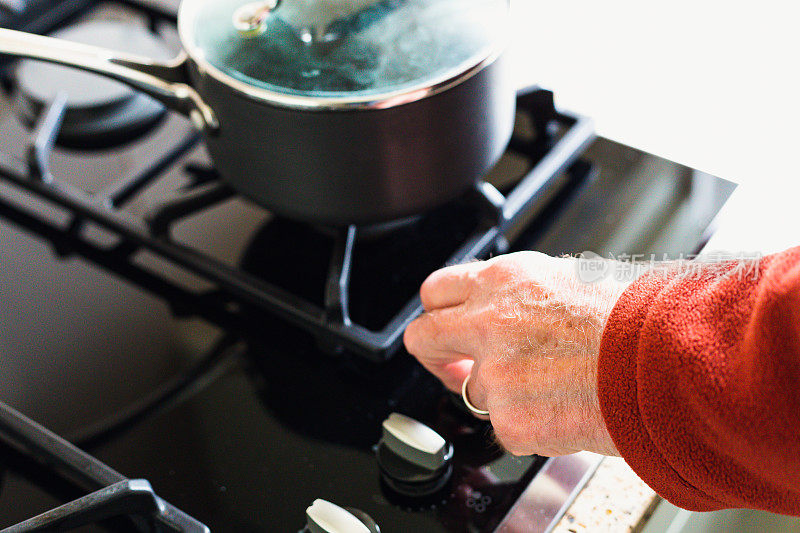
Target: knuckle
[[447, 274], [504, 270], [534, 255], [498, 270], [529, 257], [431, 284], [412, 337], [449, 283], [511, 266], [433, 330], [438, 325]]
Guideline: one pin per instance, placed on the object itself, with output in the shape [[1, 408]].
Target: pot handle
[[166, 82]]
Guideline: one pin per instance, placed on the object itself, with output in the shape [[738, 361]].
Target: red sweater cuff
[[618, 394]]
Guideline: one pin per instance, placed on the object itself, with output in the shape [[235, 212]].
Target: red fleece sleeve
[[699, 383]]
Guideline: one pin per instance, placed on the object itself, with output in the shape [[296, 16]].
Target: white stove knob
[[414, 441], [326, 517], [414, 460]]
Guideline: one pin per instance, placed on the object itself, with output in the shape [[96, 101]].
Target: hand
[[528, 329]]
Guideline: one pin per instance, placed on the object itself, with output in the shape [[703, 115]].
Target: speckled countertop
[[614, 499]]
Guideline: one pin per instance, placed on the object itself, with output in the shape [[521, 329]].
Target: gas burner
[[382, 280], [355, 295], [99, 113]]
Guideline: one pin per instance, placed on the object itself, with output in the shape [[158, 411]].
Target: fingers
[[454, 373], [452, 369], [440, 331], [442, 343], [442, 339], [449, 286]]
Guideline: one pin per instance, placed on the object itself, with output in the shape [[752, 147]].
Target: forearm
[[697, 378]]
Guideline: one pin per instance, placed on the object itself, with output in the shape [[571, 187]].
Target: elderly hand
[[528, 329]]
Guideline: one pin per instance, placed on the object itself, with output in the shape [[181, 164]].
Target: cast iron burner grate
[[235, 294], [132, 502]]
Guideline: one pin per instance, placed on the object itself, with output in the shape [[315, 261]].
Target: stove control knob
[[326, 517], [414, 459]]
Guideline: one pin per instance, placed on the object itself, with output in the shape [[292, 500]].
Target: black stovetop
[[243, 429]]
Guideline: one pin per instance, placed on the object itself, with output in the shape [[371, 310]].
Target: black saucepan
[[329, 111]]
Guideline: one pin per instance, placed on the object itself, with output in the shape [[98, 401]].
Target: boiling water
[[385, 46]]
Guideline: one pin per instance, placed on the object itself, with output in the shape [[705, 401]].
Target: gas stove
[[210, 366]]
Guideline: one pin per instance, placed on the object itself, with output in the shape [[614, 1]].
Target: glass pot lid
[[349, 51]]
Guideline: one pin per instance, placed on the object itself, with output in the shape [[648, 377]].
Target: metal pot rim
[[455, 76]]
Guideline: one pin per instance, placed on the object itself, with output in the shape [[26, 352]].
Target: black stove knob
[[326, 517], [414, 460]]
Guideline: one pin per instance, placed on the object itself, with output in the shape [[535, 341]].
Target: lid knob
[[250, 19]]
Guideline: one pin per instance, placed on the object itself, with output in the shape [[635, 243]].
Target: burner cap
[[100, 112]]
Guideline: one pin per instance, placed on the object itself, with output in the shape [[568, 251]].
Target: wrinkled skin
[[529, 331]]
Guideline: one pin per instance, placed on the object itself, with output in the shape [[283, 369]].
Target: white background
[[711, 84]]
